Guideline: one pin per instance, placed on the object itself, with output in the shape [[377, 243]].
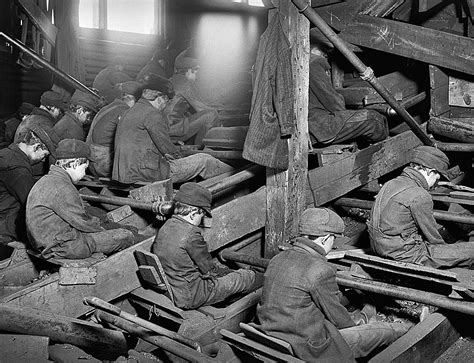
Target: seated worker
[[194, 277], [102, 131], [52, 104], [82, 108], [189, 118], [154, 66], [402, 226], [58, 225], [108, 79], [144, 151], [16, 177], [300, 299], [328, 120], [11, 124]]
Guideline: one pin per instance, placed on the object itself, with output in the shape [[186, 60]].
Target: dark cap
[[320, 40], [73, 149], [431, 157], [51, 98], [186, 63], [26, 108], [132, 88], [45, 133], [320, 222], [195, 195], [86, 100], [158, 83]]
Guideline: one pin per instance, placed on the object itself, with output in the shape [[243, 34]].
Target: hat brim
[[207, 210]]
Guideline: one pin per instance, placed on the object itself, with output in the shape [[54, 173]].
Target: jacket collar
[[309, 246], [416, 177], [59, 172]]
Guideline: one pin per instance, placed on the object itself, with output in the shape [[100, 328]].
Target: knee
[[378, 125]]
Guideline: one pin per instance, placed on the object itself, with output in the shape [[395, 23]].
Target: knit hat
[[132, 88], [195, 195], [186, 63], [431, 157], [320, 222], [320, 40], [158, 83], [45, 133], [86, 100], [73, 149], [51, 98]]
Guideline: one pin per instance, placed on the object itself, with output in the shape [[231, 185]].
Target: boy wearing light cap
[[402, 226], [33, 145], [101, 134], [300, 299], [57, 223], [194, 277]]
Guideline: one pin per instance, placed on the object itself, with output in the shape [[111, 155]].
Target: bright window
[[89, 14]]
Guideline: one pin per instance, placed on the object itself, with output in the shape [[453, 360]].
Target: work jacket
[[69, 127], [271, 115], [101, 137], [16, 181], [300, 304], [401, 224], [141, 142], [48, 121], [183, 253], [55, 213]]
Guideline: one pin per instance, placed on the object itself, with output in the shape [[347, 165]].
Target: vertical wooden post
[[286, 189]]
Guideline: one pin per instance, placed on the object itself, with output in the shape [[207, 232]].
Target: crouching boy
[[57, 222]]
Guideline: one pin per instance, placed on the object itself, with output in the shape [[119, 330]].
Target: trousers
[[197, 126], [202, 165]]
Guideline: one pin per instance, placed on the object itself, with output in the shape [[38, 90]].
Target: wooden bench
[[258, 344], [328, 154]]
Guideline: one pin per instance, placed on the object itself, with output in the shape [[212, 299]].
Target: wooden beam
[[40, 19], [415, 42], [285, 189], [24, 348], [423, 343], [333, 181], [49, 295], [236, 219]]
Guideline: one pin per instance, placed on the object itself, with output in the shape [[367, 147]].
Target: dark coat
[[271, 116], [106, 80], [141, 142], [183, 253], [69, 127], [300, 304], [16, 181], [55, 215]]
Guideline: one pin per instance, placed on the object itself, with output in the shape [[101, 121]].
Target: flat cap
[[86, 100], [26, 108], [132, 88], [158, 83], [45, 133], [51, 98], [431, 157], [73, 149], [195, 195], [320, 222], [186, 63]]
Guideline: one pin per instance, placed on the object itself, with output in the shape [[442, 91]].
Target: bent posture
[[194, 277], [402, 226], [300, 299], [58, 223]]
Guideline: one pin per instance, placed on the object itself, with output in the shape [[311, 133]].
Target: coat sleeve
[[421, 209], [325, 294], [18, 182], [158, 129], [196, 248], [321, 85], [72, 211]]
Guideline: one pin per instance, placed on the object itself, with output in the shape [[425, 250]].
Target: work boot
[[113, 240]]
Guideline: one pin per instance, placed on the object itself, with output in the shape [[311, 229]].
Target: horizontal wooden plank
[[236, 219], [415, 42], [48, 295], [334, 180]]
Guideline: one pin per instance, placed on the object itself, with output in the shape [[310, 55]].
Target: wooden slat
[[415, 42], [150, 276], [48, 295], [40, 19], [332, 181]]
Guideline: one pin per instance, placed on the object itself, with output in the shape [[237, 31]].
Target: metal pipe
[[235, 179], [163, 208], [112, 309], [376, 287], [165, 343], [305, 8], [438, 214], [64, 76], [455, 147]]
